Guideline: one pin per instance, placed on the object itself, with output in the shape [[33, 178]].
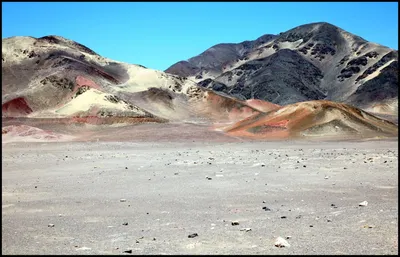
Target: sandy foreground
[[311, 192]]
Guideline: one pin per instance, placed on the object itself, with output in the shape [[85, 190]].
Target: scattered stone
[[235, 223], [326, 177], [311, 226], [193, 235], [365, 203], [128, 251], [154, 239], [280, 242], [283, 217], [245, 229], [298, 217], [35, 186], [84, 248], [368, 226], [266, 208], [333, 205], [126, 168], [125, 224], [288, 237], [329, 220], [51, 225], [122, 200]]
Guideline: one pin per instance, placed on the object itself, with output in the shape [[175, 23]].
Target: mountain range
[[306, 81]]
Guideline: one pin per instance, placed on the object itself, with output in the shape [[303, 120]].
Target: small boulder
[[235, 223], [280, 242]]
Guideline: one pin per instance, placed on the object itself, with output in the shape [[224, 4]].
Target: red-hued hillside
[[15, 107]]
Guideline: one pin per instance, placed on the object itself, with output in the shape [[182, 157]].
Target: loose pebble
[[245, 229], [193, 235]]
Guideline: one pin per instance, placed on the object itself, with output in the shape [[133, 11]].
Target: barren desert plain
[[143, 189]]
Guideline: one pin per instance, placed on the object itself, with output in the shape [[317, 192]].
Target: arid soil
[[147, 197]]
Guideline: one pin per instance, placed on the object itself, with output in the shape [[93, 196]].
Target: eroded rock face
[[385, 59], [283, 77], [59, 82], [378, 89]]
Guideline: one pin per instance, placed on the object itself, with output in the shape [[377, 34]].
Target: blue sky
[[158, 34]]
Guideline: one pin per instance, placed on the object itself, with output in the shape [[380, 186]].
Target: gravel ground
[[307, 191]]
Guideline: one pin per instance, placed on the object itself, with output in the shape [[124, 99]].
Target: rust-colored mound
[[313, 119], [261, 105], [15, 108]]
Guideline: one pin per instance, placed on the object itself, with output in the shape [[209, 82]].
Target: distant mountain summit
[[309, 62]]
